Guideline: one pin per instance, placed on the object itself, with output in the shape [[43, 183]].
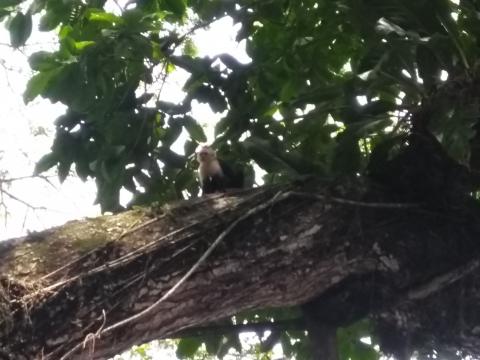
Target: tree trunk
[[279, 246]]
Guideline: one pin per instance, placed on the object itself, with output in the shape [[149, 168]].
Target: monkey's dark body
[[221, 181]]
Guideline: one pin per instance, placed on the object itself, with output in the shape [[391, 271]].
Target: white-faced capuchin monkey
[[216, 175]]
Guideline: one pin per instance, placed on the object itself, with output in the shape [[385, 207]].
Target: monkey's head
[[206, 155]]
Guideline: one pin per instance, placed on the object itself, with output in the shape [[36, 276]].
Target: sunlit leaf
[[189, 48], [106, 17]]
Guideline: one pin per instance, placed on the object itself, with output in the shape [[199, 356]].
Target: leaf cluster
[[327, 83]]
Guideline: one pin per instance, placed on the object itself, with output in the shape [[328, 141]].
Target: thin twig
[[25, 177], [13, 197], [90, 337], [343, 201], [118, 5]]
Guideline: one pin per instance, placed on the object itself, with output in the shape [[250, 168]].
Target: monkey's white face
[[206, 154]]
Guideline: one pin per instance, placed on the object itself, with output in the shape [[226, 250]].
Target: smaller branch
[[9, 180], [164, 75], [90, 338], [196, 27], [343, 201], [437, 283]]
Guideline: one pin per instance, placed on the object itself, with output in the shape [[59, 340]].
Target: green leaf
[[444, 16], [178, 7], [187, 347], [194, 129], [108, 195], [82, 169], [210, 95], [69, 87], [189, 48], [170, 68], [289, 90], [4, 14], [267, 157], [95, 15], [46, 162], [184, 179], [50, 20], [63, 170], [65, 31], [171, 158], [363, 351], [222, 126], [39, 83], [43, 61], [20, 29], [36, 6], [80, 45], [157, 53], [212, 343], [172, 133]]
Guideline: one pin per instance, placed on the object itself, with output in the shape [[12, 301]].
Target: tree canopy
[[327, 83], [384, 90]]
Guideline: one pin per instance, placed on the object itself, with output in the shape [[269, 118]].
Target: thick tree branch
[[345, 256]]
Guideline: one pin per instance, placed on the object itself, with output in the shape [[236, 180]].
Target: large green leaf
[[43, 61], [50, 20], [39, 83], [187, 347], [178, 7], [45, 163], [267, 156], [20, 29], [194, 129]]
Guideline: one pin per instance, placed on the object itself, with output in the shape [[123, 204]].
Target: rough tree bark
[[411, 269]]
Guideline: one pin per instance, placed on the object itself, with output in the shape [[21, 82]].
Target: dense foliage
[[331, 90], [327, 82]]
